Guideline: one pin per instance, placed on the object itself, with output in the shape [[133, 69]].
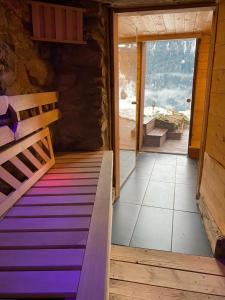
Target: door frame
[[114, 78]]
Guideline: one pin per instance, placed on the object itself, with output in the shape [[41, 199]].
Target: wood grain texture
[[165, 22], [124, 290], [23, 102], [11, 155], [32, 124], [96, 261], [213, 187], [56, 200], [177, 261], [39, 283], [41, 259], [6, 135], [43, 240], [176, 279]]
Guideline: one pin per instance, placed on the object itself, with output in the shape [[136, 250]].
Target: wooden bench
[[55, 219]]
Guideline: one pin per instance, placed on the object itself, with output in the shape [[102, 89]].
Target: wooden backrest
[[22, 165], [24, 114]]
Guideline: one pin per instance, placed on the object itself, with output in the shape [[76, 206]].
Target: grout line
[[142, 203]]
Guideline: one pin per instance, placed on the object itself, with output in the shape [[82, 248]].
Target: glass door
[[127, 108]]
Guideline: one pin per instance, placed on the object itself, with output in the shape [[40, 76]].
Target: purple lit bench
[[55, 221]]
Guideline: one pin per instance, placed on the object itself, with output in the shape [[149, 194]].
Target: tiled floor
[[157, 207], [127, 164]]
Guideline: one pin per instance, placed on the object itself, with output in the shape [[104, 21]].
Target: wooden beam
[[207, 99], [169, 8], [215, 236], [141, 69], [146, 38], [115, 104]]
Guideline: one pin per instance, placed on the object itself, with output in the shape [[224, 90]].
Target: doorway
[[157, 206], [169, 76]]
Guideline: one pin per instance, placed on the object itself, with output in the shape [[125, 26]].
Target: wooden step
[[150, 274], [156, 137]]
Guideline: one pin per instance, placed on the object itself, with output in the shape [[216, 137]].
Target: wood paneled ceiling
[[164, 23], [138, 3]]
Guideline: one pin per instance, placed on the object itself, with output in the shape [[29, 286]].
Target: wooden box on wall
[[57, 23]]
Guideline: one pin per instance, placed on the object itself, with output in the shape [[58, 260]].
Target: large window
[[169, 77]]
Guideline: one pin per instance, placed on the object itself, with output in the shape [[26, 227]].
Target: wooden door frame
[[207, 99], [115, 84], [191, 153]]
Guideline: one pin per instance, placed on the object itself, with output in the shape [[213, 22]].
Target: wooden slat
[[10, 154], [23, 145], [41, 259], [199, 264], [13, 197], [70, 176], [60, 25], [56, 200], [44, 224], [10, 179], [4, 105], [21, 166], [30, 125], [39, 283], [24, 102], [188, 281], [62, 191], [45, 143], [50, 211], [68, 182], [213, 190], [6, 135], [2, 197], [122, 290], [74, 170], [77, 165], [41, 152], [43, 240], [36, 20], [96, 262], [60, 160], [78, 155], [32, 159]]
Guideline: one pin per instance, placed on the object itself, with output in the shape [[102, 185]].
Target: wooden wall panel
[[200, 90], [212, 185]]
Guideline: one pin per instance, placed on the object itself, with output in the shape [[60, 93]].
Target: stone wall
[[22, 70], [78, 72], [82, 82]]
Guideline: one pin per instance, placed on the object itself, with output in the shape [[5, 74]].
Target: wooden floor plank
[[62, 190], [74, 170], [70, 176], [68, 182], [78, 159], [43, 240], [76, 165], [41, 259], [56, 200], [48, 284], [183, 280], [50, 211], [180, 261], [122, 290], [44, 224]]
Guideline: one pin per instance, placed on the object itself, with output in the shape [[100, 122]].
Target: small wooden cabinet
[[57, 23]]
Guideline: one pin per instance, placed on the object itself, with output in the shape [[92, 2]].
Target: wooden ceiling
[[165, 23], [138, 3]]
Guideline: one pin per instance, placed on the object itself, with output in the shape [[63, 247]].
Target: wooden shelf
[[57, 23]]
